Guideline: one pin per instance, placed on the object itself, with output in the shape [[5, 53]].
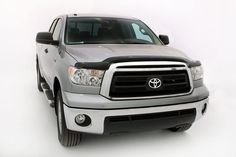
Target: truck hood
[[98, 52]]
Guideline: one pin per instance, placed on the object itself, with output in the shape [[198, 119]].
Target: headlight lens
[[86, 77], [197, 73]]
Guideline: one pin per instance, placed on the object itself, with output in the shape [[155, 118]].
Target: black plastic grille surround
[[148, 116], [149, 121], [135, 83]]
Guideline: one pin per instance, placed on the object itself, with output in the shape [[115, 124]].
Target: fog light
[[82, 120], [79, 119]]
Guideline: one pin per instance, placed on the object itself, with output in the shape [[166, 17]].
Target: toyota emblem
[[154, 83]]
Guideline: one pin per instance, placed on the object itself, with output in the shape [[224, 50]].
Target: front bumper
[[96, 101], [98, 116]]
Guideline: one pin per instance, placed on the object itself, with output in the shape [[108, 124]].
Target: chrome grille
[[130, 80]]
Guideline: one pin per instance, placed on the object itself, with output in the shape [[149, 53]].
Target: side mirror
[[46, 38], [164, 39]]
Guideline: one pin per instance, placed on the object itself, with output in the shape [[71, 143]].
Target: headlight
[[86, 77], [197, 73]]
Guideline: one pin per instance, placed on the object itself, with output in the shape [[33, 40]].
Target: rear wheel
[[39, 79], [180, 128], [66, 137]]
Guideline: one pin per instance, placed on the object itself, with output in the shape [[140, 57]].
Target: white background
[[204, 29]]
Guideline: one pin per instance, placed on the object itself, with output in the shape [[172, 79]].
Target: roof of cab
[[98, 15]]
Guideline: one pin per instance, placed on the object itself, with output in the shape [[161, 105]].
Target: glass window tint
[[140, 33], [52, 26], [81, 30], [57, 30]]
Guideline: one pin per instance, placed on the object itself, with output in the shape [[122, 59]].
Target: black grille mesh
[[135, 84]]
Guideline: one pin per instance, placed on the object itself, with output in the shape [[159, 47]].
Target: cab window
[[52, 26], [57, 30]]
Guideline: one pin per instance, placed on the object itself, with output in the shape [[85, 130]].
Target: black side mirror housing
[[46, 38], [164, 39]]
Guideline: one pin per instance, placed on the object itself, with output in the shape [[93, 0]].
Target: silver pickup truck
[[108, 74]]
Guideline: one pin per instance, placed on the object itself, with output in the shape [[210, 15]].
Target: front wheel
[[66, 137]]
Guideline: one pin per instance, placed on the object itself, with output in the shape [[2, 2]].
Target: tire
[[66, 137], [39, 79], [180, 128]]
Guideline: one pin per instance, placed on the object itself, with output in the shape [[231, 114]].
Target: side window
[[52, 26], [57, 30], [140, 33], [96, 27]]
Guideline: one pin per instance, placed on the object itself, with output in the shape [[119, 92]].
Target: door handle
[[46, 50]]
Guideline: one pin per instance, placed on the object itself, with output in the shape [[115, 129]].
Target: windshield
[[91, 30]]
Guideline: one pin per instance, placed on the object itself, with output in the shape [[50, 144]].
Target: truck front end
[[135, 94]]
